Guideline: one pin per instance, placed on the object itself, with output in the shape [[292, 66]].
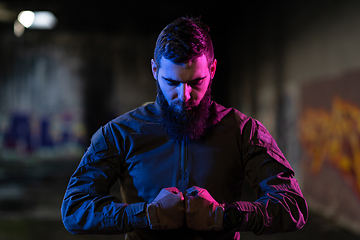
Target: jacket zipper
[[184, 164]]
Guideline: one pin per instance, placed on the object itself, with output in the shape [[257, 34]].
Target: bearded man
[[181, 161]]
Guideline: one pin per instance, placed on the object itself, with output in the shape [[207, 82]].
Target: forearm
[[281, 209], [280, 205], [88, 206], [91, 214]]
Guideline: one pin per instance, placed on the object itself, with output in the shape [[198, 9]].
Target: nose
[[184, 93]]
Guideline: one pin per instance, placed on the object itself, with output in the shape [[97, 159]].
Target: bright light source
[[38, 20], [26, 18], [44, 20], [34, 20]]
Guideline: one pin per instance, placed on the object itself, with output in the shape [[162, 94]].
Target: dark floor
[[31, 195]]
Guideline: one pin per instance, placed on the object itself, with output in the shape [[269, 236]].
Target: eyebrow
[[176, 81]]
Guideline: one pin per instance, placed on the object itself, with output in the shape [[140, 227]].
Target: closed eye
[[173, 83], [194, 83]]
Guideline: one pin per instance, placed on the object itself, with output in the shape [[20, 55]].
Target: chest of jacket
[[151, 162]]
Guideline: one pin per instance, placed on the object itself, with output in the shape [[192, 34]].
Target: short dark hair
[[183, 40]]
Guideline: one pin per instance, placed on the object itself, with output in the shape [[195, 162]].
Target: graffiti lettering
[[333, 137]]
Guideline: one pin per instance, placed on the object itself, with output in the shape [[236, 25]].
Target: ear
[[154, 68], [213, 69]]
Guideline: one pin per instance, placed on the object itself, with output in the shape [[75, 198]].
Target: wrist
[[152, 217], [232, 216]]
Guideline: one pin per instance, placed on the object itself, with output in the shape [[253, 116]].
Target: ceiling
[[101, 15], [144, 16]]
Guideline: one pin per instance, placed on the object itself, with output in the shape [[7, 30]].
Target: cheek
[[170, 95], [168, 92], [201, 92]]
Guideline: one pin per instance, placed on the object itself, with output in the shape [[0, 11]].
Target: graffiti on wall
[[41, 99], [329, 133], [28, 136], [334, 137]]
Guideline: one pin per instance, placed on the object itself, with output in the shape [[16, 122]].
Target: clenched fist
[[202, 211], [167, 211]]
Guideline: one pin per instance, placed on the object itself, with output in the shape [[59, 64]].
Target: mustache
[[187, 104]]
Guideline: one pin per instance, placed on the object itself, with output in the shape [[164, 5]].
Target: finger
[[193, 191], [193, 188], [169, 193], [219, 218], [173, 190], [181, 196], [176, 192], [191, 208]]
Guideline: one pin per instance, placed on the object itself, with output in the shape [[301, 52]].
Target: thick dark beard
[[187, 124]]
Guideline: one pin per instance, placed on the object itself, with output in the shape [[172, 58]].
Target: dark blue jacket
[[135, 150]]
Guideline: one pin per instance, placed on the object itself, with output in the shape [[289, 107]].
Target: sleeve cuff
[[136, 215], [248, 211]]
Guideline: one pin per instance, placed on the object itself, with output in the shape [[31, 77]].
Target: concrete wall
[[313, 66], [286, 65], [58, 88]]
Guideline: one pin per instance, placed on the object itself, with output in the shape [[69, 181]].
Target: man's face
[[184, 84], [184, 96]]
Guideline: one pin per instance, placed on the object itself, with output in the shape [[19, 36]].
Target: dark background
[[112, 43]]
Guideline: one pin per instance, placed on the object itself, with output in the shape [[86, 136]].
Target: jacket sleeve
[[280, 205], [87, 206]]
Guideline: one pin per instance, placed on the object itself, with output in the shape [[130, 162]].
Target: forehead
[[195, 68]]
